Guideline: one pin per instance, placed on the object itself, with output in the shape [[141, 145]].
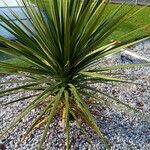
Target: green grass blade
[[18, 81], [90, 118], [16, 88], [16, 68], [113, 99], [37, 119], [82, 129], [50, 117], [20, 99], [67, 127], [30, 107], [103, 77], [126, 66]]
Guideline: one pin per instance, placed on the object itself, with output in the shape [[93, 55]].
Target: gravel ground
[[124, 129]]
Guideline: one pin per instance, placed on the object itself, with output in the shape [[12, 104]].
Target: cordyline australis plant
[[64, 39]]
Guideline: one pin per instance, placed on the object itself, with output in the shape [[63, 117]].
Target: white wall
[[9, 3]]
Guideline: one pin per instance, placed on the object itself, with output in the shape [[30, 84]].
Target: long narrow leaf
[[50, 117], [85, 109]]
